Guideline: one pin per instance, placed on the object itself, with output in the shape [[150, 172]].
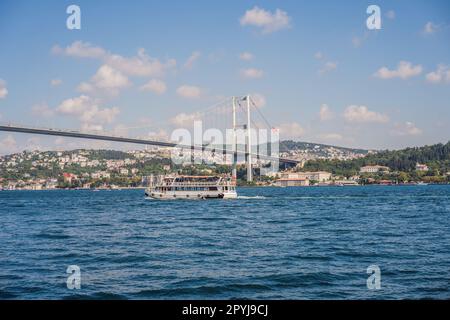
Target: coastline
[[246, 187]]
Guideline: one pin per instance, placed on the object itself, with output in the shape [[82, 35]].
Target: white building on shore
[[421, 167], [373, 169], [291, 179]]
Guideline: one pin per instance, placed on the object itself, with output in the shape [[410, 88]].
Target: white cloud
[[318, 55], [109, 78], [105, 79], [160, 135], [75, 106], [441, 75], [404, 70], [154, 85], [3, 90], [429, 28], [88, 111], [71, 144], [259, 99], [95, 114], [185, 119], [80, 49], [330, 137], [362, 114], [406, 129], [328, 67], [145, 121], [59, 141], [187, 91], [252, 73], [191, 60], [55, 82], [91, 127], [358, 41], [34, 143], [8, 145], [291, 130], [325, 113], [246, 56], [140, 65], [120, 130], [269, 22], [86, 87], [390, 14], [42, 110]]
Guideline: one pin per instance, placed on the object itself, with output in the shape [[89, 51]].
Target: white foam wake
[[254, 197]]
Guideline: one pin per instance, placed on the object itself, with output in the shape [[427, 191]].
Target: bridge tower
[[234, 147], [248, 148], [249, 144]]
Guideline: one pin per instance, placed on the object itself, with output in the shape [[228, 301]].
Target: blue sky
[[321, 75]]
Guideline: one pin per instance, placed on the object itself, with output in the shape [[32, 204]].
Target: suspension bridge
[[235, 114]]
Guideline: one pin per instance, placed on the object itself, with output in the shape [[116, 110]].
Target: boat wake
[[250, 198]]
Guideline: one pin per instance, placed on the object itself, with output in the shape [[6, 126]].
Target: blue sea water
[[271, 243]]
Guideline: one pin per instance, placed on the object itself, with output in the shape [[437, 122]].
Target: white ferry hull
[[190, 195], [191, 187]]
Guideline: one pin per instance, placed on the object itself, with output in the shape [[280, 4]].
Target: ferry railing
[[187, 184]]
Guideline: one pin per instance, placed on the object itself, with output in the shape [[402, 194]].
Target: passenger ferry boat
[[191, 187]]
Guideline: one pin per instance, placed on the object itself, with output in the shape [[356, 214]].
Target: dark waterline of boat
[[274, 243]]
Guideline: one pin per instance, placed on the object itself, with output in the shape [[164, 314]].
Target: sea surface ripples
[[271, 243]]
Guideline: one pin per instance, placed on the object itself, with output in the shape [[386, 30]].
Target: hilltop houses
[[76, 168], [69, 177]]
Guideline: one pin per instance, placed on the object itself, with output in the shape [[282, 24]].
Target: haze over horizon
[[317, 71]]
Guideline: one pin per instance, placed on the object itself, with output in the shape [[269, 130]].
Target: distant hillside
[[406, 159], [437, 157], [288, 145]]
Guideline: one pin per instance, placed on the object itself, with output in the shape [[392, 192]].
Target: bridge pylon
[[248, 142]]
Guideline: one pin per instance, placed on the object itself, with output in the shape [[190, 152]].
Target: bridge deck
[[76, 134]]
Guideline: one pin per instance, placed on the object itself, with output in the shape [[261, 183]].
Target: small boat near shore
[[191, 187]]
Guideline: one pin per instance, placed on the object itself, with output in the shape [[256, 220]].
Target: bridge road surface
[[76, 134]]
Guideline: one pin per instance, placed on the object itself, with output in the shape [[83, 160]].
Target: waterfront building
[[292, 182], [421, 167], [291, 179], [320, 176], [373, 169]]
